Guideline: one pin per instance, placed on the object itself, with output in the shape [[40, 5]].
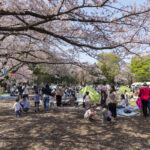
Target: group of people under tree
[[48, 97], [109, 104]]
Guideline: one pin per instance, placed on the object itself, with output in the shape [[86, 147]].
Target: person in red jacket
[[144, 94]]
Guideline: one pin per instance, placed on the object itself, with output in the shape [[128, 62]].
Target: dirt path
[[67, 130]]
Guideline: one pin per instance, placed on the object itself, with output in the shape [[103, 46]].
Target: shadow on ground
[[67, 130]]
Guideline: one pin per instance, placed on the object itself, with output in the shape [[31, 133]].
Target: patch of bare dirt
[[65, 129]]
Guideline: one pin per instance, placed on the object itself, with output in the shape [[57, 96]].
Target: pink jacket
[[139, 103], [144, 93]]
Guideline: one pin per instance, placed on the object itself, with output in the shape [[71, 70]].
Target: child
[[37, 101], [90, 113], [52, 99], [106, 114], [17, 107]]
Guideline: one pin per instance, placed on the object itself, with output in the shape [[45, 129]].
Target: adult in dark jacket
[[46, 93], [103, 98], [20, 90]]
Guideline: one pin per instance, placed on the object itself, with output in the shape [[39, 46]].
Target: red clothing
[[144, 93]]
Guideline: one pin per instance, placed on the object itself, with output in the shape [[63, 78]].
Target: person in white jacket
[[90, 113]]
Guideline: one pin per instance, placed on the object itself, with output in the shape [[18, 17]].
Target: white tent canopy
[[140, 84]]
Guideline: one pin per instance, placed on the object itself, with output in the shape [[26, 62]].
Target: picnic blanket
[[120, 111], [7, 95]]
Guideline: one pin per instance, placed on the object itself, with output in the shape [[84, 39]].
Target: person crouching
[[25, 103], [106, 114], [90, 113]]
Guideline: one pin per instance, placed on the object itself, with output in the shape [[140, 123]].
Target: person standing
[[103, 98], [37, 101], [59, 94], [25, 89], [20, 90], [144, 94], [112, 102], [86, 99], [46, 94]]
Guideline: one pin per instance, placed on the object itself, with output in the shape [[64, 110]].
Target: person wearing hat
[[144, 94]]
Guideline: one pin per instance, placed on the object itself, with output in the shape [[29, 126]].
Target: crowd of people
[[108, 105], [108, 102], [46, 94]]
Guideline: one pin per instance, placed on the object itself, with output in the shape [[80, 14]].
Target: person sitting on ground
[[25, 103], [106, 114], [126, 95], [90, 113], [17, 108], [123, 101], [37, 101]]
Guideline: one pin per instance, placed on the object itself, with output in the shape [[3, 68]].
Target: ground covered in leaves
[[65, 129]]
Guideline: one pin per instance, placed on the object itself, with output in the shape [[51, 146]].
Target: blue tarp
[[120, 111], [7, 95]]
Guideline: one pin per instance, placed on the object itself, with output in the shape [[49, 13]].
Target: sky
[[86, 58], [138, 2]]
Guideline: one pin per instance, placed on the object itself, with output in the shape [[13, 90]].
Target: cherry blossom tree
[[58, 31], [125, 76]]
